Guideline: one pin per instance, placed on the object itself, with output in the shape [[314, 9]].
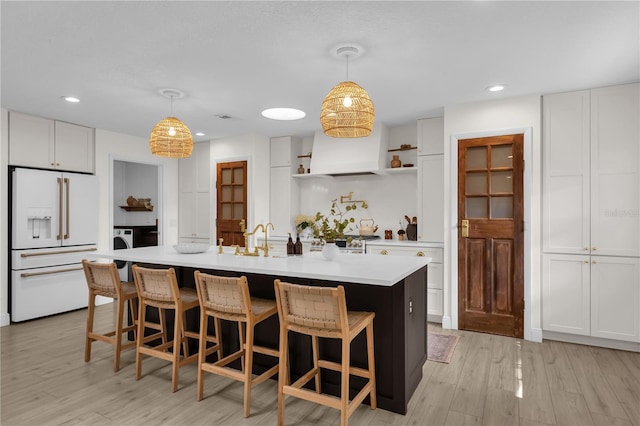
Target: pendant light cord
[[347, 56]]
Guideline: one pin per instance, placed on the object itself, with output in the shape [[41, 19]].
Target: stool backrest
[[314, 310], [102, 278], [227, 297], [159, 287]]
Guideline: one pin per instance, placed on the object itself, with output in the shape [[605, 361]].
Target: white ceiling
[[238, 58]]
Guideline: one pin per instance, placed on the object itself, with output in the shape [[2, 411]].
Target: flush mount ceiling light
[[171, 137], [496, 87], [283, 114], [71, 99], [347, 111]]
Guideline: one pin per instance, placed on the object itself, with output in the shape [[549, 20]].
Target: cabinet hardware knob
[[420, 254], [384, 252], [594, 262], [594, 248], [586, 248], [586, 261]]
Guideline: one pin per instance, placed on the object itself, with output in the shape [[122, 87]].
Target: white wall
[[254, 149], [112, 146], [491, 118]]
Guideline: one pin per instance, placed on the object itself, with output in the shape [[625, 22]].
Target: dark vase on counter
[[412, 232], [290, 246], [297, 247]]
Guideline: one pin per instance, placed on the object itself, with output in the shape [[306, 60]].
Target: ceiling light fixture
[[347, 110], [71, 99], [171, 137], [496, 87], [283, 114]]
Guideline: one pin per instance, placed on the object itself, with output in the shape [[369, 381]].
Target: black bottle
[[298, 245], [290, 246]]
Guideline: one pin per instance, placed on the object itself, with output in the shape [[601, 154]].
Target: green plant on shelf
[[333, 226]]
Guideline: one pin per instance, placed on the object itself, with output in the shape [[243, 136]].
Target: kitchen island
[[392, 287]]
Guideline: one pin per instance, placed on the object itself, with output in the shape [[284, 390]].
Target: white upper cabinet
[[284, 151], [50, 144], [591, 172], [195, 196], [431, 136], [431, 198], [615, 170]]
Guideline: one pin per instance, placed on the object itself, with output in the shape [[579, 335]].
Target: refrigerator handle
[[59, 236], [66, 184]]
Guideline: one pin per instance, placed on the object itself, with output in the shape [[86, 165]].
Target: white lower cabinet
[[435, 273], [597, 296]]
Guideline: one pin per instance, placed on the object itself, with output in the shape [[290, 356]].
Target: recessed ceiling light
[[283, 114], [71, 99], [496, 87], [199, 134]]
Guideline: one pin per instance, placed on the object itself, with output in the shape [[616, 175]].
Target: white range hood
[[350, 156]]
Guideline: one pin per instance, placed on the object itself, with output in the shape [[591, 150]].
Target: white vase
[[330, 251]]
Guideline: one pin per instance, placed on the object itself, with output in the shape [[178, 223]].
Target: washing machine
[[123, 239]]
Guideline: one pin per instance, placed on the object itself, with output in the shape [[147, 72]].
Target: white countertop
[[354, 268]]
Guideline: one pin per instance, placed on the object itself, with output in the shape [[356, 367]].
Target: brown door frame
[[451, 321]]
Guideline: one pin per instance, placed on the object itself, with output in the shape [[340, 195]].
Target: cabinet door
[[615, 170], [30, 141], [74, 147], [203, 215], [565, 181], [615, 298], [566, 294], [431, 136], [282, 201], [202, 167], [431, 198], [187, 225]]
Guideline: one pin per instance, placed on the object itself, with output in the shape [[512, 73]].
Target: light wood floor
[[491, 380]]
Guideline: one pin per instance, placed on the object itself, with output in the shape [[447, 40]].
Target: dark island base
[[400, 334]]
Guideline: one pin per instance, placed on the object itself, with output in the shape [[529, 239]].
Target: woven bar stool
[[103, 280], [322, 312], [228, 298], [159, 288]]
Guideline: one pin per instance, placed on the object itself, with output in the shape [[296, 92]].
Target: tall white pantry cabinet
[[591, 213], [195, 196]]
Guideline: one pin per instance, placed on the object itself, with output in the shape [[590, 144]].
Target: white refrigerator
[[54, 225]]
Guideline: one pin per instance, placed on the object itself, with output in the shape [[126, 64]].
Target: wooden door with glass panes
[[491, 235], [231, 206]]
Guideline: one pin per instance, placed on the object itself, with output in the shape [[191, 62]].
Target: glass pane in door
[[226, 211], [226, 194], [502, 182], [502, 207], [502, 156], [237, 176], [476, 183], [477, 207], [477, 158], [238, 211], [226, 177]]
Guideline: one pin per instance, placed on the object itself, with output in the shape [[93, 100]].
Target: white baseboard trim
[[446, 322], [533, 335], [434, 318], [592, 341], [5, 320]]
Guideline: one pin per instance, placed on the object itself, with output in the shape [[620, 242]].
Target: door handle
[[66, 183], [465, 228], [59, 236]]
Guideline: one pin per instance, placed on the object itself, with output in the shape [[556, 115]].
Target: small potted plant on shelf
[[305, 225]]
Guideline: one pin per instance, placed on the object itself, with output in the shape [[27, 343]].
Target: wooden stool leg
[[314, 346], [133, 309], [283, 375], [202, 352], [248, 368], [139, 341], [118, 334], [216, 324], [241, 334], [90, 313], [177, 338], [344, 384], [372, 366]]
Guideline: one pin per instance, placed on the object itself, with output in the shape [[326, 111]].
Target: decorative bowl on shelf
[[190, 248], [407, 165]]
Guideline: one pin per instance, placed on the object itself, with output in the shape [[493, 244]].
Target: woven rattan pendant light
[[347, 110], [171, 137]]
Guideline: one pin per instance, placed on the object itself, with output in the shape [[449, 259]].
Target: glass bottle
[[298, 245], [290, 246]]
